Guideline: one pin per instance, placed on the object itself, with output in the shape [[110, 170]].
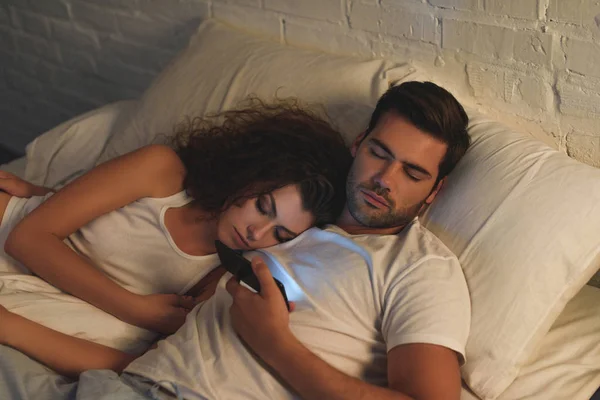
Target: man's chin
[[372, 219], [380, 220]]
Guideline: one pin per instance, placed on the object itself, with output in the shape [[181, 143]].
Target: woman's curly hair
[[262, 147]]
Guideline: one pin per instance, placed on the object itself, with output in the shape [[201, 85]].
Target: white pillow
[[523, 220], [567, 363], [72, 148], [222, 66]]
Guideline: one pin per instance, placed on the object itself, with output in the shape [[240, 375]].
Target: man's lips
[[242, 239], [375, 199]]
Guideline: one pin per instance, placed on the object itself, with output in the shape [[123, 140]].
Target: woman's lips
[[241, 240]]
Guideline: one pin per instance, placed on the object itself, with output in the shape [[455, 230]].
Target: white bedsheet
[[41, 302], [65, 152]]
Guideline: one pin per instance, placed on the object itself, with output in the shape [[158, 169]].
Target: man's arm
[[415, 371], [424, 371]]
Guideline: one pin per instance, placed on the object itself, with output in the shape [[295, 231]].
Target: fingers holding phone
[[260, 319], [244, 272]]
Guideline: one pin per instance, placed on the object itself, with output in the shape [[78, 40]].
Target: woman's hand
[[163, 313], [18, 187]]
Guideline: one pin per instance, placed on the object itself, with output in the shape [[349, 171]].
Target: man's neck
[[347, 222]]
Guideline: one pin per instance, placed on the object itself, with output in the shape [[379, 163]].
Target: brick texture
[[533, 59]]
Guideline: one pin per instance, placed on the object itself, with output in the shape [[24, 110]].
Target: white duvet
[[73, 147], [41, 302]]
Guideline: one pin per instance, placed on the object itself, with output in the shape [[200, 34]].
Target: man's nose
[[258, 230], [386, 175]]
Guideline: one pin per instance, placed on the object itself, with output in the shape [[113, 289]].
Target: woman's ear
[[356, 143]]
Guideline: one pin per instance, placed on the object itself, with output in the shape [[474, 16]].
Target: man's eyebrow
[[383, 147], [410, 165], [418, 169]]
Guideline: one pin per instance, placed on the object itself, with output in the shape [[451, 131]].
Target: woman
[[134, 234]]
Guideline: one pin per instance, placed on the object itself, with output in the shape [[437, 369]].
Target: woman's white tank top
[[131, 245]]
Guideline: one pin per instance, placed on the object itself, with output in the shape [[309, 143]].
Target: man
[[381, 308]]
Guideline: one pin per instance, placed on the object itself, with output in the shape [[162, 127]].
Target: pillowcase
[[523, 220], [567, 363], [222, 66], [70, 149]]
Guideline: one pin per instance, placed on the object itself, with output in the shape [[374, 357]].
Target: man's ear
[[435, 191], [356, 143]]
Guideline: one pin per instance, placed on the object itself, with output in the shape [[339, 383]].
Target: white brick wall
[[59, 58], [535, 63]]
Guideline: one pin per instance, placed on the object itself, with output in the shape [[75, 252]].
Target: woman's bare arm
[[19, 187], [65, 354], [37, 241]]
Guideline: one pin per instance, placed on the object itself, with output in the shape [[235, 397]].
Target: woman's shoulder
[[161, 156], [164, 166]]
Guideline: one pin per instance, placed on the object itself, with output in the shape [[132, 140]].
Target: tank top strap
[[175, 200]]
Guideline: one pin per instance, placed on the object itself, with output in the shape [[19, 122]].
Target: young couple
[[381, 305]]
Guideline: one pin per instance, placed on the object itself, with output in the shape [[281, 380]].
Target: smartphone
[[241, 268]]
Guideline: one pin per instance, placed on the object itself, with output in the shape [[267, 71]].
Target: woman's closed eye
[[282, 234], [263, 205]]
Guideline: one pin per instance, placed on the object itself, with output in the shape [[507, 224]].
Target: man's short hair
[[433, 110]]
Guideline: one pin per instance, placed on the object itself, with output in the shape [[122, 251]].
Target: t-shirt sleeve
[[427, 302]]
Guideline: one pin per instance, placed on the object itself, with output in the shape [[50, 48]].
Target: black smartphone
[[241, 268]]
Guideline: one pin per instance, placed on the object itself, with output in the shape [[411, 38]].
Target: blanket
[[37, 300], [25, 379]]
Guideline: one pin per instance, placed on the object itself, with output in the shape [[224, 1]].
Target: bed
[[507, 210]]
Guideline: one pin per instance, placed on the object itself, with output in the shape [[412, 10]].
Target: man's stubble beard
[[371, 217]]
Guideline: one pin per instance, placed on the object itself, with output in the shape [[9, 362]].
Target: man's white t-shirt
[[357, 297]]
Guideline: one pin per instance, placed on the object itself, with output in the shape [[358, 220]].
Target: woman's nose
[[258, 231]]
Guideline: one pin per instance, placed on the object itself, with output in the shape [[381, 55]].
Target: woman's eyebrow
[[274, 211], [273, 205]]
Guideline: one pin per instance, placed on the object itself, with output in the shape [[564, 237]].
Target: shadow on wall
[[58, 63]]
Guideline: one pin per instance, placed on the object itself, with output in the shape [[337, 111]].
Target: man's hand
[[163, 313], [18, 187], [261, 319]]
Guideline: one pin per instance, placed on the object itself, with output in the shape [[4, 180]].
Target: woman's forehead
[[289, 208]]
